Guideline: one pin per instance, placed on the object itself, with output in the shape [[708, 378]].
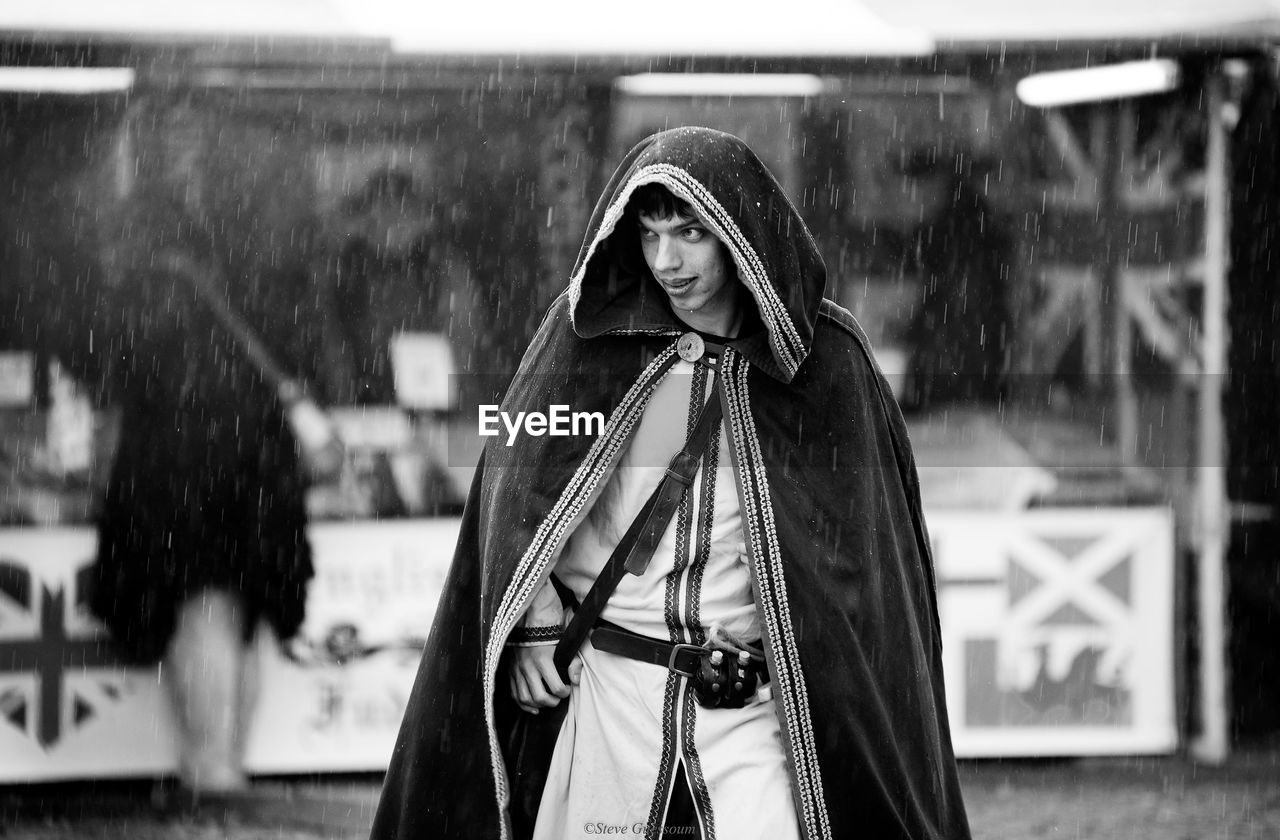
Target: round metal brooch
[[690, 347]]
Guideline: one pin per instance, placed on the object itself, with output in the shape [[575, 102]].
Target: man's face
[[693, 268]]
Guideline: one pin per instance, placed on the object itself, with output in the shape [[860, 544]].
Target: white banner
[[331, 701], [67, 709], [1057, 629]]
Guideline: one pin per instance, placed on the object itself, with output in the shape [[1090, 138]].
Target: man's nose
[[668, 256]]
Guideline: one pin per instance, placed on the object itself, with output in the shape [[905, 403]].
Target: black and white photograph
[[548, 420]]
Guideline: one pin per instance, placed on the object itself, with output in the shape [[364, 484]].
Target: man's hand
[[534, 682]]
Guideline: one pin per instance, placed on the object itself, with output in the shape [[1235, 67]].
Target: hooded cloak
[[840, 559]]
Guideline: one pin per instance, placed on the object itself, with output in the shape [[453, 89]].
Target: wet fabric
[[835, 541]]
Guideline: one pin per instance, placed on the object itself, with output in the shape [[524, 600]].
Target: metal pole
[[1211, 743], [1122, 390]]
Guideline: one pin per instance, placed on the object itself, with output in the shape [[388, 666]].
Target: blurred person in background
[[767, 663], [132, 233], [201, 536]]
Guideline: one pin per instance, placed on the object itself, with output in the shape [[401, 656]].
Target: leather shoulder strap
[[635, 549]]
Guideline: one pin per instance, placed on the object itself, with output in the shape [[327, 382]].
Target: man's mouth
[[678, 284]]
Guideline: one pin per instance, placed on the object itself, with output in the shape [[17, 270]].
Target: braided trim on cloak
[[550, 535], [758, 523]]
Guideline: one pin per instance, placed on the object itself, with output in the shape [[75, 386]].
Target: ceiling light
[[1095, 84], [721, 84], [73, 80]]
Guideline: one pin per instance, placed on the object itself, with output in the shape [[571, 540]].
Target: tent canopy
[[165, 22], [518, 28], [402, 31], [808, 28], [1187, 23]]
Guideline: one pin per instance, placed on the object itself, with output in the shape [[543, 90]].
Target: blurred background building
[[1072, 291]]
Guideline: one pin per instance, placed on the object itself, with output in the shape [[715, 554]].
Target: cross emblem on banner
[[49, 655], [1070, 581]]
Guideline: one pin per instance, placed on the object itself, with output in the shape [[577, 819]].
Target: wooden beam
[[1074, 157], [1108, 239], [1122, 390]]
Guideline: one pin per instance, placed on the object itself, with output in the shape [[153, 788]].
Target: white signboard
[[423, 365], [17, 379], [67, 709], [331, 701], [336, 705], [1057, 631]]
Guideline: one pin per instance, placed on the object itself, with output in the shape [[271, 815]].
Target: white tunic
[[629, 723]]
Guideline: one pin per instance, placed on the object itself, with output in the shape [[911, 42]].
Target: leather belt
[[683, 659]]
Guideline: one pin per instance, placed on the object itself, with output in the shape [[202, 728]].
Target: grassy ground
[[1092, 799], [1126, 799]]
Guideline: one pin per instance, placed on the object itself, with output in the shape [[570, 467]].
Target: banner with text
[[1057, 629]]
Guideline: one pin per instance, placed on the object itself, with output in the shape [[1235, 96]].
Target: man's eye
[[647, 235], [693, 234]]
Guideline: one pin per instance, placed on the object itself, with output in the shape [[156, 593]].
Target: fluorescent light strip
[[721, 84], [73, 80], [1095, 84]]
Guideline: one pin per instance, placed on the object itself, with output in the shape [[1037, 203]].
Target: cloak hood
[[742, 204]]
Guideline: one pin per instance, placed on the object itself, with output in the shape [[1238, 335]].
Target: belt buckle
[[683, 468], [675, 651]]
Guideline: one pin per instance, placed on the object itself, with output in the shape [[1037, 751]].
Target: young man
[[795, 561]]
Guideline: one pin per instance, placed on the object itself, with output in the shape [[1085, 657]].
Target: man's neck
[[725, 325], [722, 320]]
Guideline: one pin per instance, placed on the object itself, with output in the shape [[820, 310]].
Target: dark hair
[[655, 201], [658, 202]]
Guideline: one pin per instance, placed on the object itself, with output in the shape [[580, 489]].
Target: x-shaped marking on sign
[[1070, 580]]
